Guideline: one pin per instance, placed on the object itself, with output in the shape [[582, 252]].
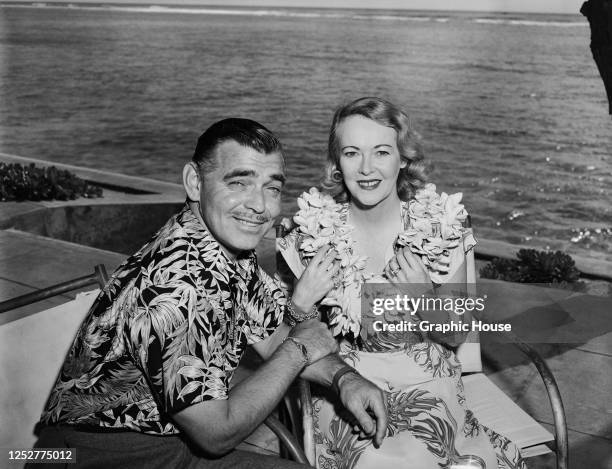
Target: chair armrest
[[287, 439], [99, 276], [554, 396], [307, 420]]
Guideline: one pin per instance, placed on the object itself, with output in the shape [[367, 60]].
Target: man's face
[[241, 198]]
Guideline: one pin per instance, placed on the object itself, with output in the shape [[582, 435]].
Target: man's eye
[[237, 184], [276, 191]]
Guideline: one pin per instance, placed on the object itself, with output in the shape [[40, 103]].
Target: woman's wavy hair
[[410, 178]]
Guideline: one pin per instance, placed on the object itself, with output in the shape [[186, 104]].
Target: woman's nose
[[366, 165]]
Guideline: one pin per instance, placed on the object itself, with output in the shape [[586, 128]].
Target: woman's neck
[[376, 229], [384, 213]]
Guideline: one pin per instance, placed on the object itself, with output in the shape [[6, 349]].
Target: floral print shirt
[[167, 332]]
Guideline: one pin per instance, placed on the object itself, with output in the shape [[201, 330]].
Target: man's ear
[[192, 182]]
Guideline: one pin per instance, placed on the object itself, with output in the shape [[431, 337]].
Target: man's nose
[[256, 201], [366, 165]]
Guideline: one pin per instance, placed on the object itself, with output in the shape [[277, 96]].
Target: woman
[[375, 167]]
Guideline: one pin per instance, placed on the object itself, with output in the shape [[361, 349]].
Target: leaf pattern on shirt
[[167, 331]]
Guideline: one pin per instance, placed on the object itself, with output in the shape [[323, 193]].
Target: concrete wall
[[121, 228]]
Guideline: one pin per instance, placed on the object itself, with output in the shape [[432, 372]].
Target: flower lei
[[435, 227], [320, 222], [435, 224]]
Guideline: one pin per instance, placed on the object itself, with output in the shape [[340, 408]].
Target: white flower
[[435, 229], [320, 223]]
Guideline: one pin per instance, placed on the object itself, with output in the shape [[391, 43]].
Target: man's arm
[[217, 426], [360, 396]]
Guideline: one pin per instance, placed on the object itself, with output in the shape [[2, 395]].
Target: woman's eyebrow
[[383, 145], [350, 146]]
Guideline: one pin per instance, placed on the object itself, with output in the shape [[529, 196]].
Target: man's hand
[[317, 280], [316, 337], [367, 403]]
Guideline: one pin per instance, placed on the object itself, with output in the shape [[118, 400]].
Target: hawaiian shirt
[[167, 332]]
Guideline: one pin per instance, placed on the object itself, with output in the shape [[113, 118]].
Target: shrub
[[18, 182], [533, 266]]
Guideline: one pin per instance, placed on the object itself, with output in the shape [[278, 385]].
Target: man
[[147, 380]]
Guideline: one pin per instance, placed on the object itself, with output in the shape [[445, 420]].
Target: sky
[[540, 6]]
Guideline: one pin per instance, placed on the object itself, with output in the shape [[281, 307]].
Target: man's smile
[[250, 221]]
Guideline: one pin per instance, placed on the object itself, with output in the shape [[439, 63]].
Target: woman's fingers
[[412, 260], [320, 255], [402, 262]]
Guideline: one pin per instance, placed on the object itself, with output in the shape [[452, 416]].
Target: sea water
[[511, 108]]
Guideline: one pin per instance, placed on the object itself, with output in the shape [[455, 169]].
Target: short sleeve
[[177, 336], [265, 306]]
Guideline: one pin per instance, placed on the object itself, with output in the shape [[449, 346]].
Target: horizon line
[[236, 5]]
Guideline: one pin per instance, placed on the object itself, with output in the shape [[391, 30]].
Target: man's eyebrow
[[236, 173], [279, 177]]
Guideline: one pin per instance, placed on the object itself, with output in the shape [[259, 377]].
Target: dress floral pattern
[[167, 332], [429, 425]]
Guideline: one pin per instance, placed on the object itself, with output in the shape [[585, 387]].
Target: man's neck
[[195, 209]]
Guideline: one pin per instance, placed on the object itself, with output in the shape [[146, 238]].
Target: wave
[[515, 22], [291, 13], [231, 11]]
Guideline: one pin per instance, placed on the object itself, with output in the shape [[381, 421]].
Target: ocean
[[511, 107]]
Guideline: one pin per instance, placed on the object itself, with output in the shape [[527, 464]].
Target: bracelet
[[339, 374], [292, 317], [301, 347]]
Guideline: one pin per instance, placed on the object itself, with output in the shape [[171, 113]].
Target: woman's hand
[[406, 267], [317, 280]]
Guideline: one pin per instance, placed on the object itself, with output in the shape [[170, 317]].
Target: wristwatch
[[302, 348]]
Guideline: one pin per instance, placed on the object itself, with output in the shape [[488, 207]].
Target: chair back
[[32, 350]]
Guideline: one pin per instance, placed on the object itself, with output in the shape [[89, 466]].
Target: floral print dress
[[429, 425]]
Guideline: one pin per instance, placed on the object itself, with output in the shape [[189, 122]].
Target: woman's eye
[[350, 154], [382, 153]]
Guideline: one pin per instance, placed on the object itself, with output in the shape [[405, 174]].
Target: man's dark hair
[[245, 132]]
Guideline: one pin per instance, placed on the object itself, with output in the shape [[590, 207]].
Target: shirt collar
[[245, 263]]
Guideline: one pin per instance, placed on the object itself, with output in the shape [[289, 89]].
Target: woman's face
[[369, 159]]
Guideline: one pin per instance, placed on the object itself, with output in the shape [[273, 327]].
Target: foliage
[[18, 182], [533, 266]]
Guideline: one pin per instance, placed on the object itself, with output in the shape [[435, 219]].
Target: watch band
[[301, 347], [339, 374]]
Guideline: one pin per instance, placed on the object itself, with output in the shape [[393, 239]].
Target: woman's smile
[[369, 185]]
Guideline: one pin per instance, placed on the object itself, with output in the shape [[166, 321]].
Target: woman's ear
[[192, 182], [403, 163]]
